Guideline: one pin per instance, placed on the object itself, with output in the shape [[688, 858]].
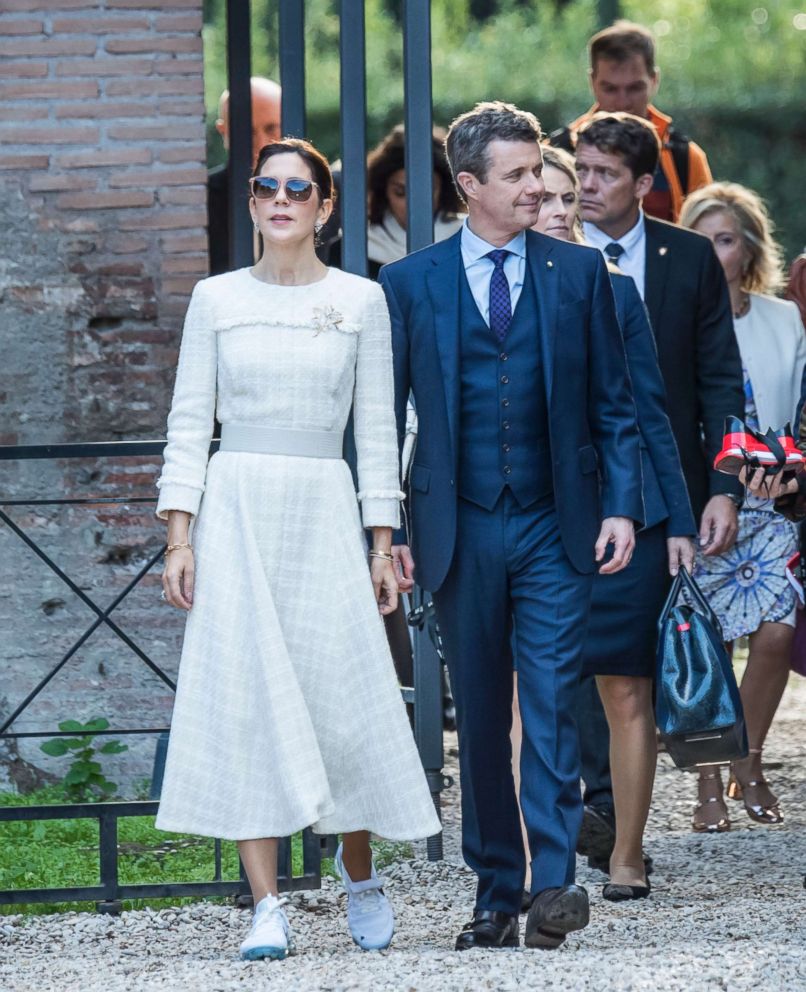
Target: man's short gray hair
[[470, 135]]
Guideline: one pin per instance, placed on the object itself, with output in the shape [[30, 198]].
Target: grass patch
[[62, 853]]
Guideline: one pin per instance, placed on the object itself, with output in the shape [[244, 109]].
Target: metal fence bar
[[418, 123], [239, 71], [109, 893], [352, 53], [292, 66]]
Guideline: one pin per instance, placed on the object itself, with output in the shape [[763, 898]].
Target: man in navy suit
[[527, 467]]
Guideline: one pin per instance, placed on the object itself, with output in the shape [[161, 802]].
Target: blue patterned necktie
[[500, 300], [614, 251]]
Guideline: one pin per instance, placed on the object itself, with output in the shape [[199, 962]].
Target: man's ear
[[643, 184], [468, 183], [653, 89]]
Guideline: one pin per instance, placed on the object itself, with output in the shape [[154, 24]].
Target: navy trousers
[[511, 584]]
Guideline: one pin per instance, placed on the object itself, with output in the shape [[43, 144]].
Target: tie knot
[[614, 251], [498, 257]]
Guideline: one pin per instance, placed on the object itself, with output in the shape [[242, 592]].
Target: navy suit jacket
[[664, 486], [595, 451]]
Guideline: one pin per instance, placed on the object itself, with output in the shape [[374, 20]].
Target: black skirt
[[622, 633]]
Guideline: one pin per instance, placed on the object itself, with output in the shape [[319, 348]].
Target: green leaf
[[55, 748], [108, 787], [72, 727], [77, 775], [99, 723], [113, 747], [73, 743]]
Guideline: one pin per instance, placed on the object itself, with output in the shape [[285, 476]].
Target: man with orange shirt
[[624, 77]]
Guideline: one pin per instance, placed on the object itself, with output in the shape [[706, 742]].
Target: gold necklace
[[744, 306]]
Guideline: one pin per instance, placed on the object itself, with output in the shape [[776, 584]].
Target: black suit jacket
[[689, 307]]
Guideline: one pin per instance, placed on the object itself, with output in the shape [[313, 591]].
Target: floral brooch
[[327, 319]]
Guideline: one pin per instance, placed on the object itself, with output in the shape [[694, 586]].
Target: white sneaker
[[270, 936], [369, 912]]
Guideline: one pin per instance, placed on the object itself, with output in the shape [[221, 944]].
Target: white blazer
[[772, 342]]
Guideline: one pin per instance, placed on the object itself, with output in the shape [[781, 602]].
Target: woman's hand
[[177, 578], [384, 583], [681, 554], [766, 486]]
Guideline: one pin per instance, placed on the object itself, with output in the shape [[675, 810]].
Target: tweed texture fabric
[[287, 713]]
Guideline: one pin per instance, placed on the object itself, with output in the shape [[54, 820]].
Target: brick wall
[[102, 209]]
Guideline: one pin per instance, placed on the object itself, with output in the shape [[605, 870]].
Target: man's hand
[[681, 554], [620, 532], [404, 567], [719, 525]]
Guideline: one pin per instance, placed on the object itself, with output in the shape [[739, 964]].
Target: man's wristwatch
[[734, 498]]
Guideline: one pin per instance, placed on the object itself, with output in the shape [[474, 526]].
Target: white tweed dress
[[287, 713]]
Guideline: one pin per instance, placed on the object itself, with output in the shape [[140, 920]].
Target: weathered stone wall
[[103, 234]]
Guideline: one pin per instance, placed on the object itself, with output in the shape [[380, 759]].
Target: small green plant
[[85, 781]]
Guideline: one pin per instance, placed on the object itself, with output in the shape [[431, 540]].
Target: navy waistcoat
[[503, 422]]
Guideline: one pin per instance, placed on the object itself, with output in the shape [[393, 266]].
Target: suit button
[[505, 379], [507, 447], [451, 481], [503, 356], [507, 470], [505, 402], [505, 425]]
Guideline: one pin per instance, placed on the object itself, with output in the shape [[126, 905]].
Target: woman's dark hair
[[319, 165], [631, 137], [389, 157]]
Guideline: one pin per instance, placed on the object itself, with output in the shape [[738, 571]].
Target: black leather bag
[[698, 709]]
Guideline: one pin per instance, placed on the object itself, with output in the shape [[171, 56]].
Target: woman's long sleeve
[[374, 418], [191, 420]]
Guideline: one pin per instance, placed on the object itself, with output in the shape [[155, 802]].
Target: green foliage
[[85, 780], [63, 853], [732, 75]]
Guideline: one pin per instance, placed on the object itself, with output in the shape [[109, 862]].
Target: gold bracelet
[[176, 547], [382, 554]]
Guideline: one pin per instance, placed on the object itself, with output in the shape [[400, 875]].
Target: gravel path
[[726, 913]]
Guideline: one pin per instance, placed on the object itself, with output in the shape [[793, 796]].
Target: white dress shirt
[[633, 261], [479, 270]]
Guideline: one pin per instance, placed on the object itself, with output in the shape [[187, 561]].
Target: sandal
[[769, 813], [717, 821]]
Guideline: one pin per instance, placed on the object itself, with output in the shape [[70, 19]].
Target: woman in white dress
[[287, 712]]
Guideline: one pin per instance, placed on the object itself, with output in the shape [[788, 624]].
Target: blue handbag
[[698, 709]]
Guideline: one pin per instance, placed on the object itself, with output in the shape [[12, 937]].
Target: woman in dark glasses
[[287, 711]]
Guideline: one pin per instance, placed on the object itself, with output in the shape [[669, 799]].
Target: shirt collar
[[474, 247], [629, 241]]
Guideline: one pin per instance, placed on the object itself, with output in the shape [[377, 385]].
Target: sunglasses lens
[[264, 187], [299, 189]]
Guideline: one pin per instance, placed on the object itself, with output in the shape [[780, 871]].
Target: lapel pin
[[662, 250], [550, 264]]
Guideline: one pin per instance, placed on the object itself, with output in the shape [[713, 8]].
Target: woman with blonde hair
[[747, 586]]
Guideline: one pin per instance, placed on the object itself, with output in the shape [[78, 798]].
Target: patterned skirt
[[747, 585]]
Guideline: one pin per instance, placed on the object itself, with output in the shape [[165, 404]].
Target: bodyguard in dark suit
[[684, 289], [527, 466]]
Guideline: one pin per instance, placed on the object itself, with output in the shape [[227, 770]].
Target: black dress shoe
[[614, 892], [604, 866], [489, 928], [597, 835], [555, 913]]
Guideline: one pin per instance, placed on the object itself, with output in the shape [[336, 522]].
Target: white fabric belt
[[281, 441]]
